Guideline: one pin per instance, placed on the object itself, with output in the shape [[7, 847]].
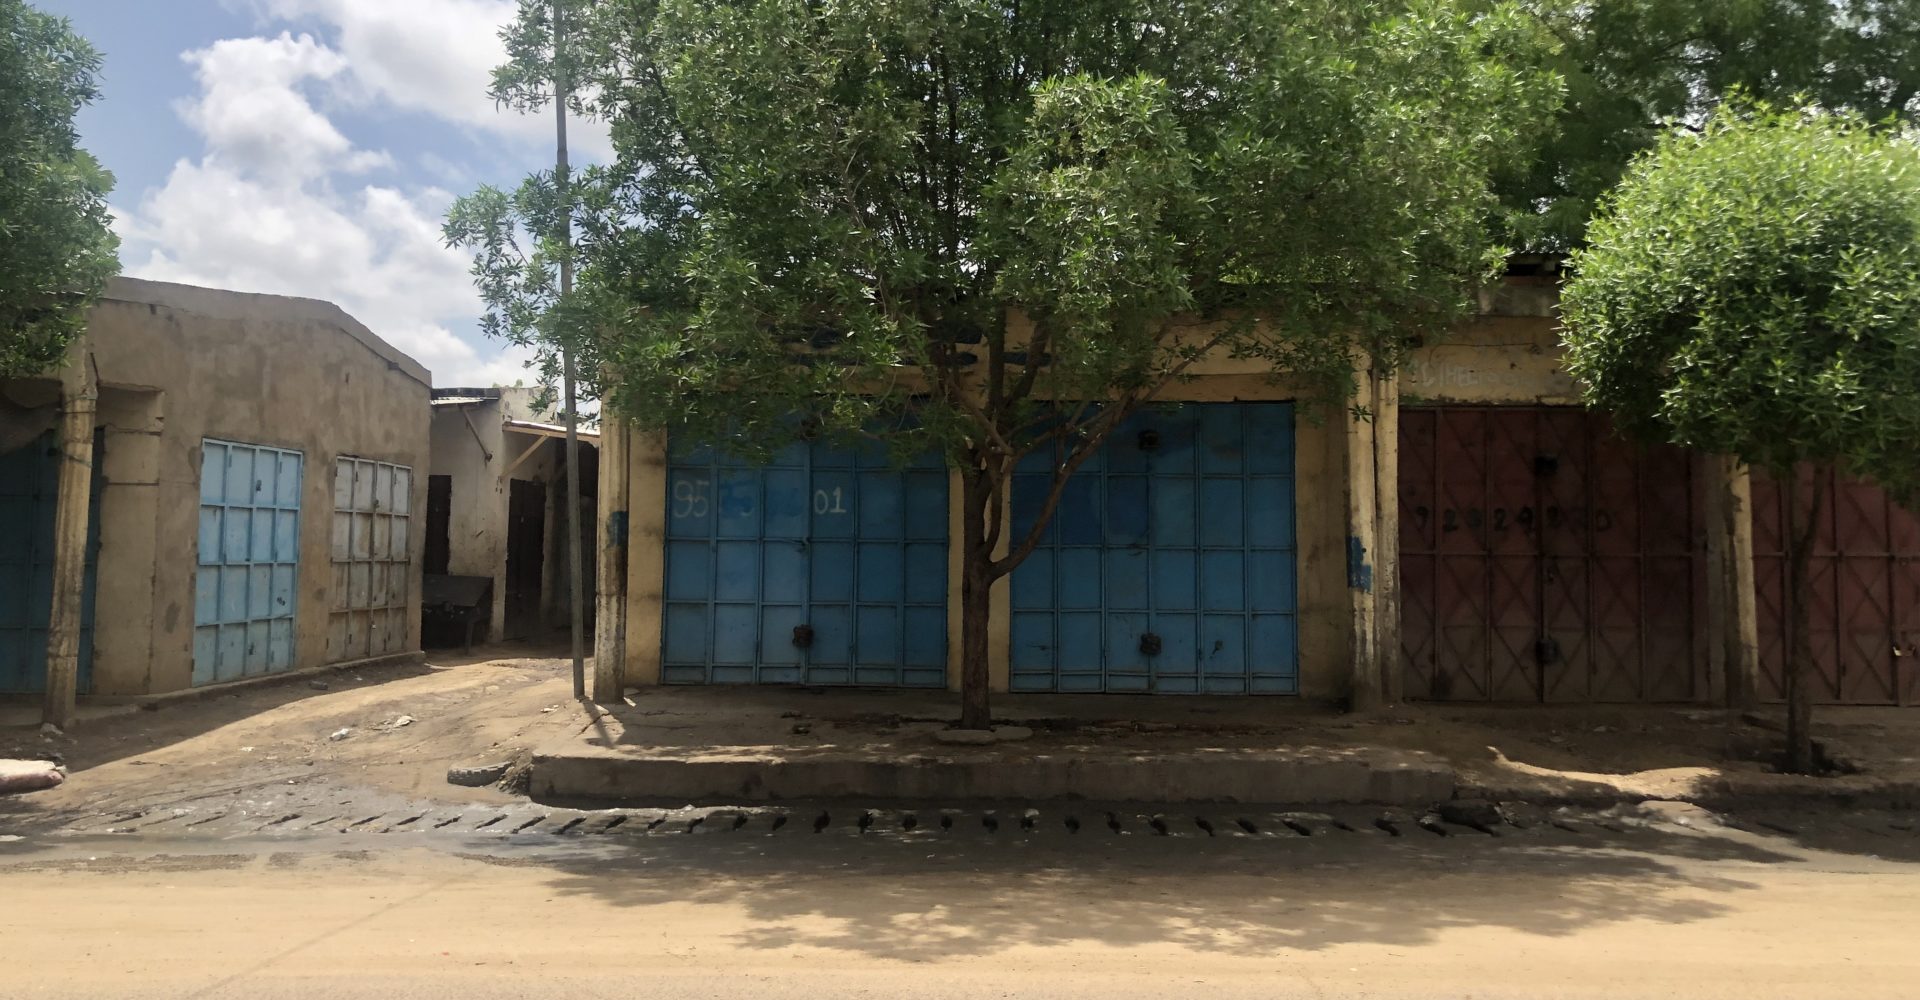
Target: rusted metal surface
[[1545, 559], [1865, 575]]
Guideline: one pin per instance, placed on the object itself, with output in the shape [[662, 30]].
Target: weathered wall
[[469, 447], [1509, 354], [258, 369], [480, 455]]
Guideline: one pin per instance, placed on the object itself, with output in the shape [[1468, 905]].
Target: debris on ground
[[340, 734], [17, 776], [404, 720], [49, 730], [479, 775], [318, 685], [802, 728]]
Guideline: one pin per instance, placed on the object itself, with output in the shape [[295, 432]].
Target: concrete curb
[[1306, 777]]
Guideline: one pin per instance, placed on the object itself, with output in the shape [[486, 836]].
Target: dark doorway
[[526, 555], [439, 521]]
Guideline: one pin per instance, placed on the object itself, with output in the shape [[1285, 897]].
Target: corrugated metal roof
[[549, 430]]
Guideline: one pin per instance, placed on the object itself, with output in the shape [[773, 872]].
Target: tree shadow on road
[[917, 902]]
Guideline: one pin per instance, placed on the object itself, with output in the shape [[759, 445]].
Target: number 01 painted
[[824, 566]]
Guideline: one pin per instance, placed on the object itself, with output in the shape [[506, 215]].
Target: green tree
[[1755, 291], [56, 248], [1635, 67], [996, 227]]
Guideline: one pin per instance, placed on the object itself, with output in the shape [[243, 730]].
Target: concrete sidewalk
[[674, 745], [734, 745]]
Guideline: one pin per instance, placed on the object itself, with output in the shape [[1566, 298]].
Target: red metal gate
[[1543, 558], [1865, 575]]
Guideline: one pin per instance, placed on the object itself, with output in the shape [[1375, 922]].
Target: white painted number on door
[[690, 498], [829, 503]]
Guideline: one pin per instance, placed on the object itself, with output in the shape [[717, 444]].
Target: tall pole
[[72, 512], [576, 609]]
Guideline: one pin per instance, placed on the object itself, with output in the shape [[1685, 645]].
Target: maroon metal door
[[1865, 576], [1543, 558]]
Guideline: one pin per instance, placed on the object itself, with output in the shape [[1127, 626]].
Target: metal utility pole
[[576, 609]]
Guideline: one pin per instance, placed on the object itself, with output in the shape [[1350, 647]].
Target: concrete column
[[646, 556], [1733, 618], [79, 397], [1386, 561], [1363, 520], [610, 616]]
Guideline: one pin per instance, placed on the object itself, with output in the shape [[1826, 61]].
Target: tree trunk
[[976, 586], [1801, 522]]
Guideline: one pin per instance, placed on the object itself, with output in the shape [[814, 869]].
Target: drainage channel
[[1077, 821]]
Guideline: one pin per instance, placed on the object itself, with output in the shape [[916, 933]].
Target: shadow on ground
[[909, 900]]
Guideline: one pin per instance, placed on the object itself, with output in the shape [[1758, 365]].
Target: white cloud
[[432, 56], [272, 205], [251, 108]]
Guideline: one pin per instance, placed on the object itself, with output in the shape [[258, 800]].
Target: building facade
[[256, 489], [1479, 537], [496, 503]]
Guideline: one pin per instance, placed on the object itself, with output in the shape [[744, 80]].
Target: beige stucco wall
[[1509, 354], [179, 364], [476, 451]]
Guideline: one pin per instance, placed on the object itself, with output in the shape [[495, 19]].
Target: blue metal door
[[29, 493], [1169, 564], [825, 566], [245, 585]]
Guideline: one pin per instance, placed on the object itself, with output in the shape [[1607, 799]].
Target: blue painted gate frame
[[1170, 563], [246, 581], [825, 566]]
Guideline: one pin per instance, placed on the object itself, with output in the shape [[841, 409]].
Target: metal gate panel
[[1169, 565], [1546, 559], [1566, 575], [1463, 668], [29, 497], [372, 568], [823, 566], [1864, 574], [245, 584], [1419, 457]]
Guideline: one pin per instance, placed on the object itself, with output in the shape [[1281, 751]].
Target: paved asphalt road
[[1597, 909]]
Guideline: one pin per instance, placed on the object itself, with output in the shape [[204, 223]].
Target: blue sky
[[310, 147]]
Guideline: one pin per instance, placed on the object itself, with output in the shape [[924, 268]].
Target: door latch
[[1150, 644], [1546, 651], [803, 636]]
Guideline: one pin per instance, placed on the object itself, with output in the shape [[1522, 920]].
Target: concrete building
[[1481, 538], [253, 501], [495, 498]]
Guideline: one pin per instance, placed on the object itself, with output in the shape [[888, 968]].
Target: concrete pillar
[[646, 556], [1386, 561], [79, 398], [610, 616], [1733, 653], [1363, 520]]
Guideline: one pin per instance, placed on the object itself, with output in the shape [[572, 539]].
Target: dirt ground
[[1665, 911], [502, 702], [464, 709]]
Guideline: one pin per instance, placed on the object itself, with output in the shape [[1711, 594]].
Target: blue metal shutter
[[831, 547], [246, 582], [29, 496], [1169, 565]]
